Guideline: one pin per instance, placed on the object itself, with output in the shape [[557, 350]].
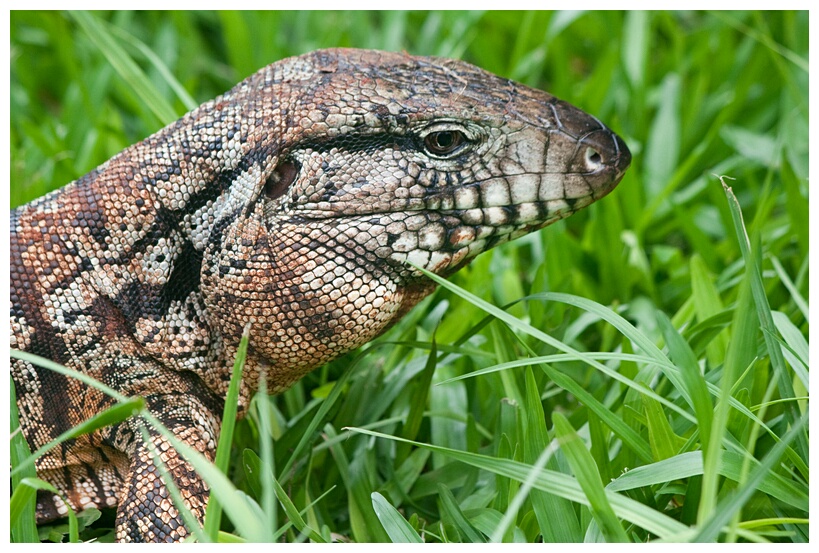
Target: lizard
[[301, 201]]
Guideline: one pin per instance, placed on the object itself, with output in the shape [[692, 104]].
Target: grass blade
[[394, 524], [743, 342], [664, 442], [555, 516], [588, 477], [687, 465], [129, 71], [707, 304], [159, 65], [22, 523], [363, 520], [254, 465], [453, 512], [23, 496], [419, 400], [213, 516], [796, 347], [763, 310], [692, 378], [268, 493]]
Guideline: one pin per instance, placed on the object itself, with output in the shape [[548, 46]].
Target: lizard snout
[[589, 149], [602, 149], [602, 157]]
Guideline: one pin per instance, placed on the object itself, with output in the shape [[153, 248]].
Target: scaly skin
[[292, 202]]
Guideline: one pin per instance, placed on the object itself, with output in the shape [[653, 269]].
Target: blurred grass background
[[693, 94]]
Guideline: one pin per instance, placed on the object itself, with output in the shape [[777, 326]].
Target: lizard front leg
[[146, 512]]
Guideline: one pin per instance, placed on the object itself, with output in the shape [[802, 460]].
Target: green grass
[[636, 372]]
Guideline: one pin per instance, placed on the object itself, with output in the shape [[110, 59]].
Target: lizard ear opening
[[280, 179]]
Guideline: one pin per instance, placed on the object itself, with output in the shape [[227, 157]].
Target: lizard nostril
[[593, 159], [280, 180]]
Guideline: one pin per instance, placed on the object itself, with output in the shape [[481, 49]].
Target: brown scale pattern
[[293, 202]]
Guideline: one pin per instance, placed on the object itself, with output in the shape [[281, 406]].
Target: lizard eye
[[444, 143]]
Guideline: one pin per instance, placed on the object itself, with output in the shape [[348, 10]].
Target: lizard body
[[293, 203]]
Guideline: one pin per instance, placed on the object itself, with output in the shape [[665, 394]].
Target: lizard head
[[434, 161], [376, 162]]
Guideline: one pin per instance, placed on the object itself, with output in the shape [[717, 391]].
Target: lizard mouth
[[444, 240]]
